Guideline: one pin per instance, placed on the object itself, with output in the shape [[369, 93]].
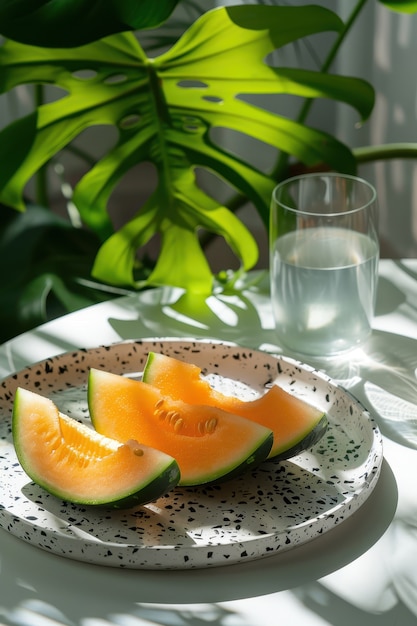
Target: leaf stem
[[367, 154], [282, 162], [333, 52]]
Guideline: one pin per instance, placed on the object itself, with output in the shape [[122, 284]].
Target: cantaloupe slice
[[209, 444], [296, 425], [73, 462]]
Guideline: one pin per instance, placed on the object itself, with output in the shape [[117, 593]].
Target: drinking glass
[[324, 254]]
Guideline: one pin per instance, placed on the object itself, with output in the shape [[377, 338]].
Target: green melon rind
[[259, 455], [151, 359], [304, 441], [165, 477], [163, 481]]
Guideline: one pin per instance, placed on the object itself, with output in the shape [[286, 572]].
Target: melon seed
[[171, 415], [134, 446], [179, 423], [211, 425], [159, 403]]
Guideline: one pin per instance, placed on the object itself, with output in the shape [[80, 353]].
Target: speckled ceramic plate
[[274, 508]]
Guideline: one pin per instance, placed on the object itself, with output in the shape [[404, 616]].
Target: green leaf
[[69, 23], [166, 110], [181, 261], [402, 6], [48, 269], [25, 129]]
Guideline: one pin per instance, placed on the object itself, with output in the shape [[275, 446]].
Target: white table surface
[[363, 572]]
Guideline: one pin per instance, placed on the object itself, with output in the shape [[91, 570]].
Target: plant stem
[[282, 162], [384, 152], [333, 52]]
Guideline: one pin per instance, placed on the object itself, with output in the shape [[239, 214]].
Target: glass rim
[[317, 175]]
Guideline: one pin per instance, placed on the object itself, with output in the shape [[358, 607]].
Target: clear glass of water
[[324, 253]]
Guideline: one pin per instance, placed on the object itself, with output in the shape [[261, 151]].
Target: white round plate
[[271, 509]]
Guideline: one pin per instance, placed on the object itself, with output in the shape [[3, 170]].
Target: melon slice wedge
[[73, 462], [296, 424], [209, 444]]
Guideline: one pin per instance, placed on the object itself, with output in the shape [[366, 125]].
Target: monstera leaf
[[70, 23], [165, 110], [402, 6]]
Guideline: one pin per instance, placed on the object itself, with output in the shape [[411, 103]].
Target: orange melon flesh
[[290, 418], [72, 461], [209, 444]]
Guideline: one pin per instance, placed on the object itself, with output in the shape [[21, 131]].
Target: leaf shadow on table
[[233, 317], [242, 316], [389, 297], [382, 376], [339, 612]]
